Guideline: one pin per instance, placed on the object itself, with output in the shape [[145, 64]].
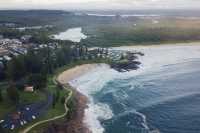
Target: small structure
[[1, 121], [26, 38], [29, 89], [7, 58], [16, 115], [3, 52], [33, 117]]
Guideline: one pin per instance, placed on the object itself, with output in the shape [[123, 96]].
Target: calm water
[[73, 34], [162, 97]]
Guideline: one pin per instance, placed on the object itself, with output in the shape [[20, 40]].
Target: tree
[[13, 94], [63, 56], [57, 95], [2, 72], [37, 80], [16, 68], [48, 59], [62, 100], [68, 53], [54, 100], [33, 62], [19, 84], [2, 130], [60, 58], [1, 97]]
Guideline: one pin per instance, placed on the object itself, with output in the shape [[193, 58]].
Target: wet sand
[[75, 72], [74, 124]]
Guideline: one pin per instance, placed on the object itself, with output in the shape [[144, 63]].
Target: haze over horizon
[[99, 4]]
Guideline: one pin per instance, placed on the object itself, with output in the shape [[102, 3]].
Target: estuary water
[[72, 34], [163, 96]]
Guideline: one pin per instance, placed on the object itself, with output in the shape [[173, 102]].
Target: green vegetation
[[56, 20], [39, 66], [25, 98], [102, 31], [57, 109], [37, 96], [13, 95], [5, 108], [31, 17], [143, 32], [36, 69], [28, 98]]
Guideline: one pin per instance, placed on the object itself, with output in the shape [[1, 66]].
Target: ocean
[[163, 96]]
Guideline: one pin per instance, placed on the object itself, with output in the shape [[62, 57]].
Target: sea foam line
[[90, 84], [93, 82]]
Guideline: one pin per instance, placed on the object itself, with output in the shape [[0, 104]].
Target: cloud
[[100, 4]]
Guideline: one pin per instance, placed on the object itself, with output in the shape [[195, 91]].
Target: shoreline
[[194, 43], [68, 75], [75, 123]]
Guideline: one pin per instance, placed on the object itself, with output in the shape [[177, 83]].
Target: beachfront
[[85, 78]]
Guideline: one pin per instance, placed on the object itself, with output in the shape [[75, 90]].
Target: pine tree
[[54, 101], [1, 97], [13, 94]]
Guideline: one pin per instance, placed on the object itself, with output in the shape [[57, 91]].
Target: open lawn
[[25, 98], [29, 97], [52, 112]]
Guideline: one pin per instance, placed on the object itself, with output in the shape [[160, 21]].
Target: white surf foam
[[90, 84], [155, 58], [144, 123], [158, 56]]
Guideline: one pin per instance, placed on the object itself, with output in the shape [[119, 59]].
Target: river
[[72, 34]]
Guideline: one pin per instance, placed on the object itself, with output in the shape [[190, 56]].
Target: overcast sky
[[99, 4]]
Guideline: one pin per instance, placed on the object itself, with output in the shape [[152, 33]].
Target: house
[[26, 38], [7, 58], [29, 89], [3, 52]]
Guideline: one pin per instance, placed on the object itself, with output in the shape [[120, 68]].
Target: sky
[[99, 4]]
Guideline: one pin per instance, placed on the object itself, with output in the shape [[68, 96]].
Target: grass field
[[28, 98], [52, 112], [25, 98]]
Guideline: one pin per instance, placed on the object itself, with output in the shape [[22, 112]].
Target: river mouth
[[72, 34]]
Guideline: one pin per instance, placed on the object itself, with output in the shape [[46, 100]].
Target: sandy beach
[[75, 72], [75, 123], [158, 45]]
